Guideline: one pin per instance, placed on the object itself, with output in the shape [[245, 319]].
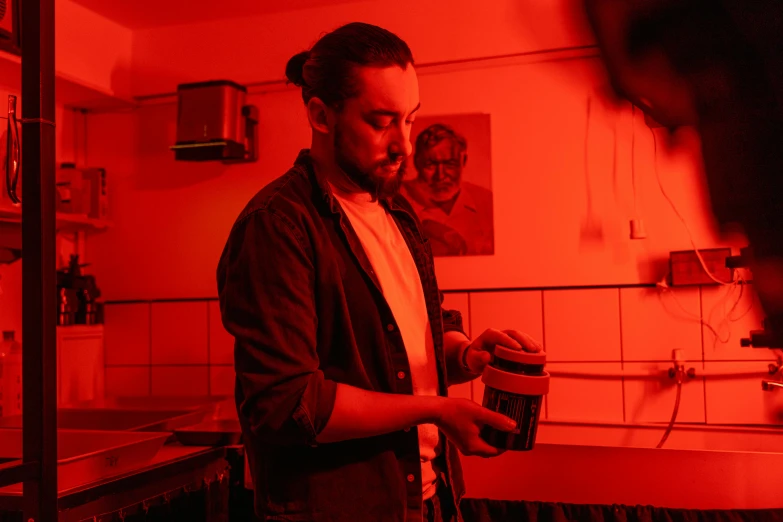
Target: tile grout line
[[622, 352], [172, 365], [543, 342], [209, 355], [149, 329], [470, 336], [703, 357]]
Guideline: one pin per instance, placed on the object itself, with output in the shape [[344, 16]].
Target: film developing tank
[[515, 384]]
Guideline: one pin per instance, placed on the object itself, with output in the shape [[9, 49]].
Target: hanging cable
[[738, 281], [674, 414], [13, 152], [585, 150], [677, 212]]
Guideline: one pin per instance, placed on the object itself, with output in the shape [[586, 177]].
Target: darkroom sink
[[85, 456], [106, 419], [155, 403]]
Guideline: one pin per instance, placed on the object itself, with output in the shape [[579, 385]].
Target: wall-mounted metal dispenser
[[213, 123]]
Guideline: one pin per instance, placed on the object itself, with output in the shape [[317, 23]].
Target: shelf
[[69, 90], [65, 222]]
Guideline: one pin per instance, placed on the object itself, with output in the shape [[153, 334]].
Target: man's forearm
[[454, 345], [362, 413]]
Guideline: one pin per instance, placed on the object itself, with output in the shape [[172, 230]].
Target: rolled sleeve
[[266, 287], [452, 319]]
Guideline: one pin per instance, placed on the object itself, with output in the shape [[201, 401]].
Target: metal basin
[[223, 432], [154, 403], [117, 419], [84, 457]]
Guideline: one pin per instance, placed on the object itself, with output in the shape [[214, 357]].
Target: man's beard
[[378, 186]]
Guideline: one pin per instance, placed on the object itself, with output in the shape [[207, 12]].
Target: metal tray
[[117, 419], [157, 402], [224, 432], [88, 456]]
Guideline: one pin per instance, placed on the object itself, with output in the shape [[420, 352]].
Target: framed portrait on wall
[[448, 182], [10, 32]]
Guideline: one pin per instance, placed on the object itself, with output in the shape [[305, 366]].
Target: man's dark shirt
[[299, 295]]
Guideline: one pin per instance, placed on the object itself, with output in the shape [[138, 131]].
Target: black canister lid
[[520, 356]]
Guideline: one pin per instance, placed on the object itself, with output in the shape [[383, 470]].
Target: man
[[329, 289], [456, 215]]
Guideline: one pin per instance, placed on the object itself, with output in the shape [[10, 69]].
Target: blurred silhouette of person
[[456, 215], [716, 66]]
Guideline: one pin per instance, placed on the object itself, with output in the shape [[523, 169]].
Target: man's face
[[440, 168], [372, 132]]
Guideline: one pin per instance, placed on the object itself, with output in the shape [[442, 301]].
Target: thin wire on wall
[[738, 281], [633, 158]]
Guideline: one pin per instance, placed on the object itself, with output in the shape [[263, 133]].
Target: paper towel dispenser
[[214, 123]]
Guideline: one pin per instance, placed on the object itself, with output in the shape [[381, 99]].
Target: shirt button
[[390, 327], [411, 478], [400, 375]]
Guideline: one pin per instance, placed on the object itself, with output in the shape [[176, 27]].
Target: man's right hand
[[461, 421]]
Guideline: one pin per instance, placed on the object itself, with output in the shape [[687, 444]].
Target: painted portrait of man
[[456, 214]]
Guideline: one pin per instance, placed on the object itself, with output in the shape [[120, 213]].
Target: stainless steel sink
[[154, 403], [88, 456], [117, 419]]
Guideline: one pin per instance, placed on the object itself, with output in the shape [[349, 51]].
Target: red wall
[[94, 53], [171, 218], [538, 120], [11, 274]]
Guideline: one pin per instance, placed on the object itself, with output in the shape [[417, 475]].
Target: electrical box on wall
[[214, 123], [686, 269]]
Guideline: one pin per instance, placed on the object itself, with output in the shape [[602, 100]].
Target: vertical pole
[[39, 283]]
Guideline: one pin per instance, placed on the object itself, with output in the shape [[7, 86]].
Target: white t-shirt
[[396, 271]]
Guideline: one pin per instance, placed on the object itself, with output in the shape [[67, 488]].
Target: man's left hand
[[480, 350]]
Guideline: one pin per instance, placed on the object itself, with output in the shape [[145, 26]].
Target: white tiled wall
[[221, 344], [585, 400], [652, 400], [179, 333], [635, 330], [731, 323], [582, 325], [127, 334], [653, 323], [168, 349], [177, 348], [180, 380], [741, 400], [128, 381], [503, 311]]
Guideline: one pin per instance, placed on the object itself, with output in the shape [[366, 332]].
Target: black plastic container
[[515, 384]]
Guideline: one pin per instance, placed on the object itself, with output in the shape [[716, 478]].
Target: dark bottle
[[515, 385]]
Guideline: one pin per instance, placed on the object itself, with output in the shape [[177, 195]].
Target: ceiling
[[143, 14]]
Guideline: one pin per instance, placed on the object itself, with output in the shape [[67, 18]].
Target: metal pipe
[[39, 285], [540, 55], [662, 374], [682, 426]]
